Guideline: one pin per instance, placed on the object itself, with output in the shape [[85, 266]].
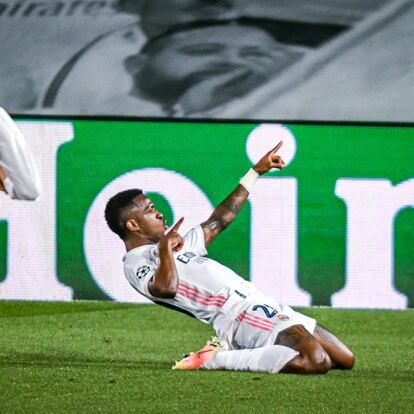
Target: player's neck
[[137, 241]]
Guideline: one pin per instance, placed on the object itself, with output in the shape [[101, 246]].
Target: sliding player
[[257, 333], [18, 174]]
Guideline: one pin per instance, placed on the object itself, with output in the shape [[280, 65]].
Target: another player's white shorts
[[252, 320], [23, 180]]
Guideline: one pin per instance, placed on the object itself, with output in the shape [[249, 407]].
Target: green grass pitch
[[103, 357]]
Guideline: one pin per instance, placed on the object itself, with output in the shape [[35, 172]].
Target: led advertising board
[[335, 227]]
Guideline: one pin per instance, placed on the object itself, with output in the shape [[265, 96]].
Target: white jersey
[[23, 180], [204, 284], [212, 293]]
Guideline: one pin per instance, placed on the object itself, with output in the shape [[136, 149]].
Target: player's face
[[151, 222], [211, 65]]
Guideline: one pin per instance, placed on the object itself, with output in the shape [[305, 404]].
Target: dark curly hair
[[114, 208]]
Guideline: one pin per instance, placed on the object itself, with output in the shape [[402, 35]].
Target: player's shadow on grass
[[65, 360]]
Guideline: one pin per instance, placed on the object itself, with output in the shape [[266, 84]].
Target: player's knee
[[349, 361], [324, 365], [317, 359], [319, 362]]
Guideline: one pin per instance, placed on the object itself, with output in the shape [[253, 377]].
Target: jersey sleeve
[[194, 241], [139, 274]]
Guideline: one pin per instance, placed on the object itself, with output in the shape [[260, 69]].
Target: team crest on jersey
[[142, 271], [282, 317]]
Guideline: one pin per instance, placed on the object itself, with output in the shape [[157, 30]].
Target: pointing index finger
[[276, 148], [176, 225]]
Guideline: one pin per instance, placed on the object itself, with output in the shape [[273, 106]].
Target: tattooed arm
[[228, 209], [224, 214]]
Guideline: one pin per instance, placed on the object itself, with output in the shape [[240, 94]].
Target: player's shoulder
[[194, 240], [194, 233], [147, 253]]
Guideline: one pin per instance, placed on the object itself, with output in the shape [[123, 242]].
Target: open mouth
[[213, 71]]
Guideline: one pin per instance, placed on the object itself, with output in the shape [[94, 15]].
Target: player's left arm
[[228, 209]]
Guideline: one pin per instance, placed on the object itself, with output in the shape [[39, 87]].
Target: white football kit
[[240, 314], [23, 181]]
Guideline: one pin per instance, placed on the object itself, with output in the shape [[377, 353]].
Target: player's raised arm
[[228, 209], [164, 283]]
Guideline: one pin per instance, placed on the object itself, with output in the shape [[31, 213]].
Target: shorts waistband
[[236, 302]]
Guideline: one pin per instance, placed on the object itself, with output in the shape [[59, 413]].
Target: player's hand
[[270, 160], [172, 239], [3, 176]]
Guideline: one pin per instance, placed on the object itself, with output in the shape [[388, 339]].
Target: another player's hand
[[3, 176], [270, 160], [172, 239]]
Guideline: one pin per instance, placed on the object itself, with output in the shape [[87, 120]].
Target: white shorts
[[255, 320]]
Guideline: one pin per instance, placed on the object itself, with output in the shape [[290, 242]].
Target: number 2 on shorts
[[266, 310]]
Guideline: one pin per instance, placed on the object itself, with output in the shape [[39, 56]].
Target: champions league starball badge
[[142, 271]]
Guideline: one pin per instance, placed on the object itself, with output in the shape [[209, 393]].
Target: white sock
[[270, 358]]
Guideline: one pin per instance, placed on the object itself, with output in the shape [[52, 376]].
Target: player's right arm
[[164, 283], [229, 208]]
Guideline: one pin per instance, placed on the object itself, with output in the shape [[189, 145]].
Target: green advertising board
[[335, 227]]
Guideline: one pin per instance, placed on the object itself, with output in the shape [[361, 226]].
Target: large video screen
[[327, 60], [335, 227]]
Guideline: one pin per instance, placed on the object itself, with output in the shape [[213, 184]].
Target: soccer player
[[255, 332], [18, 174]]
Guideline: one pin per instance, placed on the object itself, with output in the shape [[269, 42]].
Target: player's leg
[[216, 355], [312, 358], [20, 177], [309, 358], [271, 359], [296, 351], [341, 356]]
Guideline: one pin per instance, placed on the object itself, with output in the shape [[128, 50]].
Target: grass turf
[[107, 357]]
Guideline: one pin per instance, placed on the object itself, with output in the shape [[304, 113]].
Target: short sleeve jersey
[[204, 284]]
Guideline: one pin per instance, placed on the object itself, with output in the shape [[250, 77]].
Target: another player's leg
[[19, 177], [341, 356], [312, 357]]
